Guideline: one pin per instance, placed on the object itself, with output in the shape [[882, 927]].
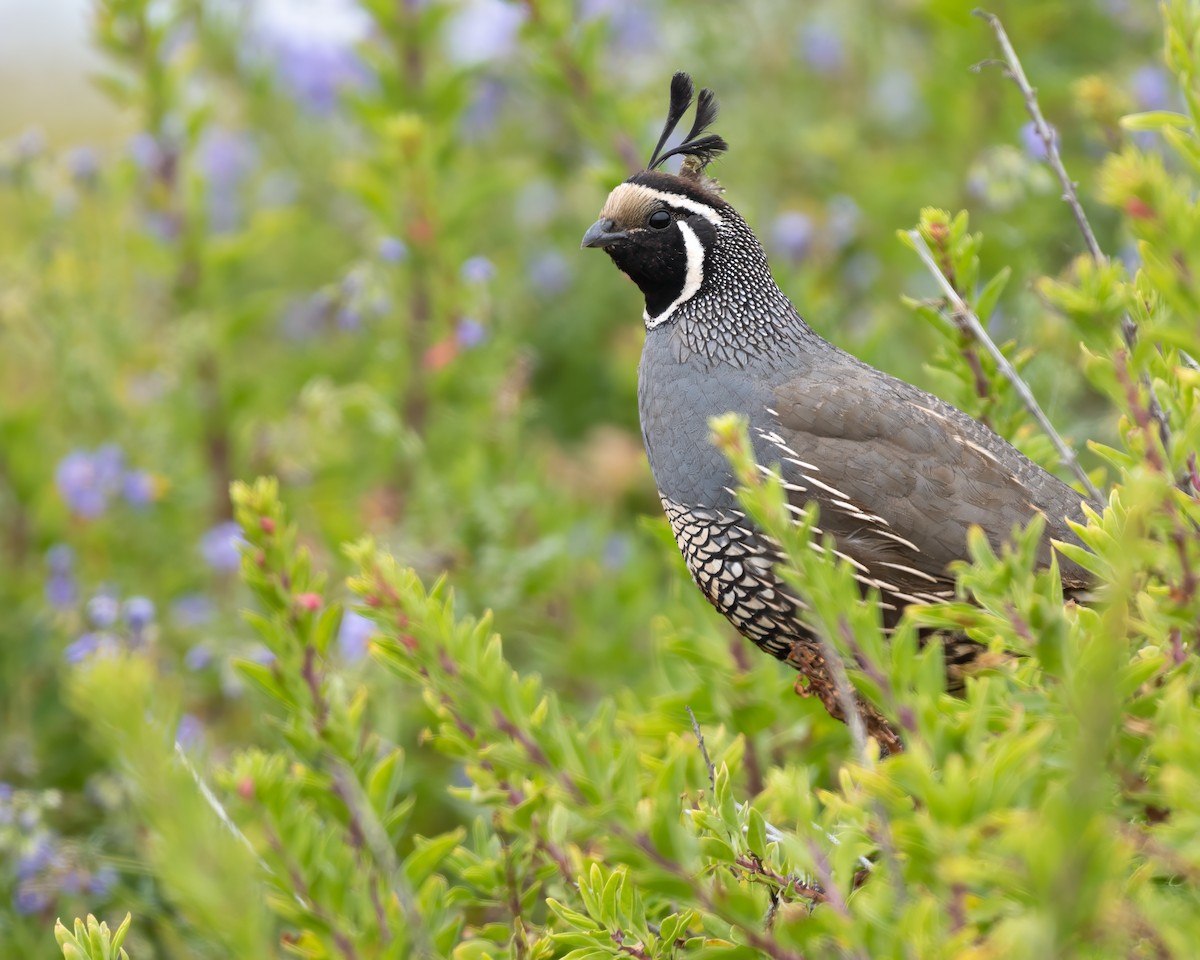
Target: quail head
[[898, 475]]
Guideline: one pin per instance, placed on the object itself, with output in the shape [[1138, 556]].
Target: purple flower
[[80, 484], [61, 589], [792, 234], [94, 644], [102, 610], [392, 250], [1152, 88], [470, 333], [40, 855], [198, 657], [60, 558], [304, 319], [822, 47], [139, 613], [219, 547], [190, 733], [146, 152], [30, 898], [617, 552], [549, 273], [632, 26], [482, 31], [138, 488], [477, 270], [1034, 145], [226, 159], [353, 634], [310, 48], [83, 164], [348, 317], [260, 654], [482, 111], [102, 881], [192, 610]]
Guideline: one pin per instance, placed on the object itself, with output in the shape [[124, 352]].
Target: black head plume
[[701, 150]]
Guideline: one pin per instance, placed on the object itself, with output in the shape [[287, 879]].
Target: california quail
[[899, 476]]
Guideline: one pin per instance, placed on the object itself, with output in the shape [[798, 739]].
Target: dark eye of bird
[[660, 219]]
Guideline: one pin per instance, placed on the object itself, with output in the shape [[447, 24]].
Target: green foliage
[[372, 297], [93, 940]]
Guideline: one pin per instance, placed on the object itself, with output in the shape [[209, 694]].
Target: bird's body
[[899, 476]]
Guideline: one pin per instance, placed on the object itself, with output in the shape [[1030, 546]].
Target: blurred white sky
[[46, 60]]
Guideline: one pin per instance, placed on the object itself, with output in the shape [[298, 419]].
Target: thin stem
[[1129, 329], [967, 318]]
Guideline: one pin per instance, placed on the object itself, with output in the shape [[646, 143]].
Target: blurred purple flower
[[6, 792], [192, 610], [792, 235], [477, 270], [61, 589], [225, 159], [392, 250], [617, 551], [138, 613], [138, 488], [1034, 145], [97, 643], [479, 118], [260, 654], [60, 558], [550, 273], [348, 317], [146, 152], [87, 480], [102, 610], [470, 333], [353, 634], [83, 163], [190, 733], [37, 857], [198, 657], [1152, 88], [102, 881], [310, 48], [30, 898], [633, 26], [482, 31], [304, 318], [219, 547], [822, 47]]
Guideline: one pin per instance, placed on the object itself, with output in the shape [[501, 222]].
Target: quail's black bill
[[602, 233]]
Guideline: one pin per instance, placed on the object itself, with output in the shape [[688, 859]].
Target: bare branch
[[1046, 134], [967, 318], [1012, 67], [712, 773]]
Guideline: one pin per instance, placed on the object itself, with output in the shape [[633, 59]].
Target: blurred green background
[[338, 243]]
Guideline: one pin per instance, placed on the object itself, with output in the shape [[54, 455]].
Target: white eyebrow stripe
[[679, 201], [695, 275]]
